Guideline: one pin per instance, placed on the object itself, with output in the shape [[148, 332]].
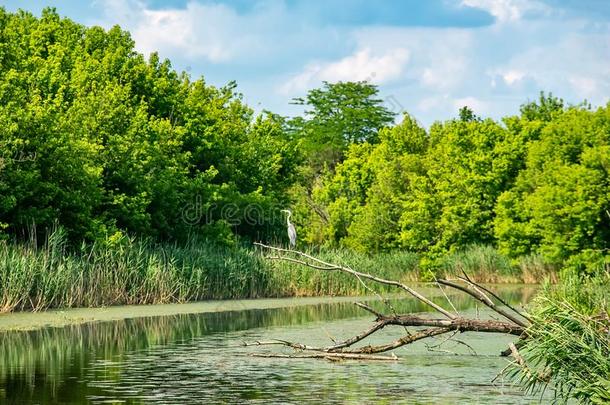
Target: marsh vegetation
[[124, 181]]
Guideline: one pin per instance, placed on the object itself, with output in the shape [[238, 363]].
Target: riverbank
[[27, 320], [132, 272], [57, 318]]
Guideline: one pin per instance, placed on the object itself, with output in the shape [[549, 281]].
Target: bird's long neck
[[288, 218]]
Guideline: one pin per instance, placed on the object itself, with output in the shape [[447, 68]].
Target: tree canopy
[[537, 183], [338, 115], [100, 140]]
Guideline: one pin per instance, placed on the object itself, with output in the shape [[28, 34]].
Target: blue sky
[[428, 57]]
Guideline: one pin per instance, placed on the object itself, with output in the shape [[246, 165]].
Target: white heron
[[292, 232]]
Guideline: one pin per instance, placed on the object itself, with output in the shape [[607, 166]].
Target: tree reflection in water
[[193, 356]]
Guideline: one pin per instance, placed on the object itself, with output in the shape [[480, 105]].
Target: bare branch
[[333, 348], [329, 356], [304, 263], [371, 310], [353, 340], [496, 296], [519, 360], [446, 297], [331, 267], [480, 296], [451, 338], [279, 342], [461, 324], [407, 339]]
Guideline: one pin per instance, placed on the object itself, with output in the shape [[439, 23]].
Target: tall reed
[[129, 271], [568, 344]]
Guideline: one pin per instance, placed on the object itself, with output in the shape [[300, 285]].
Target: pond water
[[198, 358]]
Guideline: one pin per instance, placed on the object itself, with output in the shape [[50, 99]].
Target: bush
[[568, 344]]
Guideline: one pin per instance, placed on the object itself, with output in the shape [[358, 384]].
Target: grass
[[128, 271], [568, 348], [486, 265]]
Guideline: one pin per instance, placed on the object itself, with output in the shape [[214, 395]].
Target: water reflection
[[197, 358]]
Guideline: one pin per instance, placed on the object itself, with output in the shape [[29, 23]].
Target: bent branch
[[516, 323], [322, 265]]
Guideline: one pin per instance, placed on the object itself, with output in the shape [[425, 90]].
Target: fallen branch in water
[[515, 322], [329, 356], [324, 266]]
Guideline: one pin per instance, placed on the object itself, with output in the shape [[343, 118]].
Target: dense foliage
[[568, 345], [97, 139], [100, 141], [535, 184]]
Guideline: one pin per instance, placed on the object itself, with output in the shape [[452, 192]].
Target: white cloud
[[512, 76], [506, 76], [448, 67], [508, 10], [575, 65], [478, 106], [440, 58], [215, 32], [428, 70], [362, 65]]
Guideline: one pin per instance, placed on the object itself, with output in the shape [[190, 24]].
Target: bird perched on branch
[[292, 232]]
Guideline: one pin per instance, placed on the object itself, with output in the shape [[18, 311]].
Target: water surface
[[198, 358]]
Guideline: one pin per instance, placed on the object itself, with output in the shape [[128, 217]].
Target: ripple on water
[[199, 359]]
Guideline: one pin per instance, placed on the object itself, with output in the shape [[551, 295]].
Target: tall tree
[[560, 204], [337, 115], [98, 139]]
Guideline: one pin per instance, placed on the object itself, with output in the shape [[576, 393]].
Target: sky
[[428, 57]]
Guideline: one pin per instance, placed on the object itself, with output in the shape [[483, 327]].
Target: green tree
[[100, 140], [560, 203], [337, 115], [469, 163]]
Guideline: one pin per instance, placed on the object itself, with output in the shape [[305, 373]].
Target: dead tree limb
[[322, 265], [460, 324], [496, 296], [476, 293], [516, 323], [405, 340], [329, 356]]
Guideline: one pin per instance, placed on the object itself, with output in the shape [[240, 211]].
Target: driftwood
[[329, 356], [514, 323]]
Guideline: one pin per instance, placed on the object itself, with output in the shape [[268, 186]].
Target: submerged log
[[459, 324], [329, 356]]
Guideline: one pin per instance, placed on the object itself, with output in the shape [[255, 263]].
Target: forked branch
[[516, 323], [322, 265]]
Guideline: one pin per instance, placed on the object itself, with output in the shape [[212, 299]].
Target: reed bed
[[129, 272], [485, 264], [568, 345], [36, 276]]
